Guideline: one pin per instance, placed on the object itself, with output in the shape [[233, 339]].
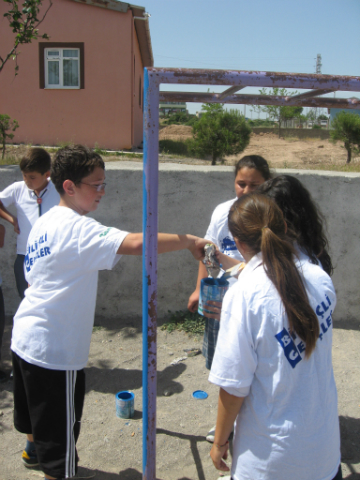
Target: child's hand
[[213, 309], [218, 455], [16, 225], [2, 235], [225, 261], [193, 302], [197, 247]]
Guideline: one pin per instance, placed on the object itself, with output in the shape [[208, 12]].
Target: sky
[[266, 35]]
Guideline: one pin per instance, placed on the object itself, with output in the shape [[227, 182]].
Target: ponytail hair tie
[[263, 228]]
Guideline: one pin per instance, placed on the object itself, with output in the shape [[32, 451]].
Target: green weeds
[[185, 321]]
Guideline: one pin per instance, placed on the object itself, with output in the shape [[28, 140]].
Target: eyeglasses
[[99, 188]]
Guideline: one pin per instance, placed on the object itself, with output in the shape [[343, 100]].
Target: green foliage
[[219, 132], [24, 21], [322, 117], [280, 113], [260, 122], [6, 124], [185, 321], [316, 126], [180, 118], [346, 128], [173, 147]]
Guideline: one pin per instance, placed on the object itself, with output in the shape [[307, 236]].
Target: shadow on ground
[[105, 380]]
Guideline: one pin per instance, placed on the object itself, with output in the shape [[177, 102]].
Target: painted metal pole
[[150, 230]]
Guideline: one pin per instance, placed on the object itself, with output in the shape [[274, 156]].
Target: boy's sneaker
[[211, 435], [29, 460]]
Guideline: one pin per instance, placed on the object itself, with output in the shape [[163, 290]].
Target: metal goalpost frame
[[235, 81]]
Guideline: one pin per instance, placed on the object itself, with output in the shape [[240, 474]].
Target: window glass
[[53, 72], [71, 76], [53, 53], [70, 53]]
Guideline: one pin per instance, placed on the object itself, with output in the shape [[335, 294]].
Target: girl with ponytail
[[273, 357]]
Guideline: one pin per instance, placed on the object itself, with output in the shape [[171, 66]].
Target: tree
[[346, 128], [280, 113], [24, 22], [219, 132], [6, 124]]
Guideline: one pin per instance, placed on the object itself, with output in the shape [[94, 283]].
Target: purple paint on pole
[[150, 230]]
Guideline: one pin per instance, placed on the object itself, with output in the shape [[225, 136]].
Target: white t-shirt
[[27, 207], [53, 325], [218, 231], [288, 425]]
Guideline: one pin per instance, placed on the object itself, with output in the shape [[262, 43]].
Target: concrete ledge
[[187, 197]]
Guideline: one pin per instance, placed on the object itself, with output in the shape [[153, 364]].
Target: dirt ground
[[288, 152], [111, 448]]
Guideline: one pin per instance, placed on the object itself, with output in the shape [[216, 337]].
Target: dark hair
[[302, 215], [74, 163], [258, 222], [254, 161], [36, 160]]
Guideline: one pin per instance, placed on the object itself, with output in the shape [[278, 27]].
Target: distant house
[[171, 107], [334, 111], [84, 85]]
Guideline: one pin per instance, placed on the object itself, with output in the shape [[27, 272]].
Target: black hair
[[254, 161], [36, 160], [74, 163], [303, 217]]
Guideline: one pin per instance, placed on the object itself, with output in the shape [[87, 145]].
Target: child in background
[[250, 172], [32, 197], [2, 307], [53, 325]]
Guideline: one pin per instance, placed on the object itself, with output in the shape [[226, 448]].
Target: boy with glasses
[[53, 326]]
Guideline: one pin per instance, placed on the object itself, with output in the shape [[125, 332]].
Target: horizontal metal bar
[[204, 97], [229, 91], [313, 93], [245, 78]]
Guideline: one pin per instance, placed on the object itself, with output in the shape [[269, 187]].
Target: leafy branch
[[24, 21]]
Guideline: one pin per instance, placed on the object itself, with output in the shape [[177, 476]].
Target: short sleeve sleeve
[[211, 233], [235, 358], [8, 196], [98, 245]]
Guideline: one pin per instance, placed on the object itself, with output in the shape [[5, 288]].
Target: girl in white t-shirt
[[273, 357], [250, 172]]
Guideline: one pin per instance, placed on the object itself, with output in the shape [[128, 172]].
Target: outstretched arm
[[6, 215], [167, 242]]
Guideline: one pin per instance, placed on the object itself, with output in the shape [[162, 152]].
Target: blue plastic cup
[[211, 289], [125, 404]]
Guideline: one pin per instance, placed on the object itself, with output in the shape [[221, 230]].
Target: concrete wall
[[187, 197]]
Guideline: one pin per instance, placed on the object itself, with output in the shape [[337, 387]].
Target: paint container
[[212, 289], [124, 404]]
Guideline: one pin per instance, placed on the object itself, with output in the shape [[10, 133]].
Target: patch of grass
[[351, 167], [185, 321], [292, 139], [97, 328], [9, 160]]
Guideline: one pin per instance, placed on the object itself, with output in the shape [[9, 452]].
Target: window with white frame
[[62, 67]]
